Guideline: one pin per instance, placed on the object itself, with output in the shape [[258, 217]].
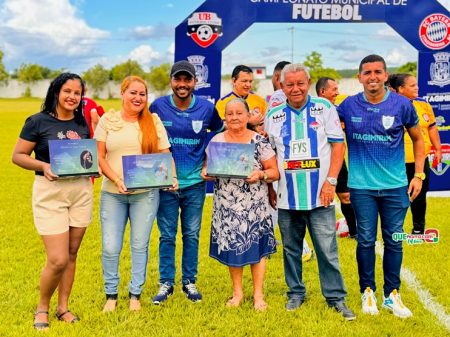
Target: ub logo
[[204, 28], [201, 71], [440, 70], [387, 121]]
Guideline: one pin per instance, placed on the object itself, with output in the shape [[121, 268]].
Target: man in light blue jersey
[[375, 121], [307, 135], [186, 118]]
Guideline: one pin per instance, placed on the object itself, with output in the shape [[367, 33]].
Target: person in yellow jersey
[[406, 85], [242, 81]]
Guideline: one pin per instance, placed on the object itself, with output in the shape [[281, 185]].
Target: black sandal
[[61, 315], [40, 325]]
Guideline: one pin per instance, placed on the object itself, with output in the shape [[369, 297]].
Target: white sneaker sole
[[396, 313]]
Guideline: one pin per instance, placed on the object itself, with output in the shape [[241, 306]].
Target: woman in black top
[[62, 208]]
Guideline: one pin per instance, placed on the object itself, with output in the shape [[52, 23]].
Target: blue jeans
[[391, 205], [321, 223], [115, 209], [189, 202]]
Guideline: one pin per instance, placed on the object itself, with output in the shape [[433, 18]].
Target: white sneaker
[[394, 303], [369, 302]]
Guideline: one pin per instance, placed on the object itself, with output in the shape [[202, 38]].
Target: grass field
[[22, 257]]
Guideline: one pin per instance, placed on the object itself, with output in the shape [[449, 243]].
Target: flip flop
[[61, 315], [40, 325]]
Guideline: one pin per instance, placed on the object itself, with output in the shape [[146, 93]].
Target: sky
[[78, 34]]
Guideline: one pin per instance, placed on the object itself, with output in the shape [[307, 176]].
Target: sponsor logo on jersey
[[314, 125], [440, 70], [304, 164], [279, 117], [197, 126], [434, 31], [387, 121], [365, 137], [204, 28], [356, 119], [315, 111]]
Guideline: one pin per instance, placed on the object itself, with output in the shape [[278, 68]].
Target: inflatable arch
[[425, 24]]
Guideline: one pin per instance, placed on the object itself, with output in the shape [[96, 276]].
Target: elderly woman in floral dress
[[242, 230]]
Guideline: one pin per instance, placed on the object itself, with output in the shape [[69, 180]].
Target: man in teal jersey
[[307, 135]]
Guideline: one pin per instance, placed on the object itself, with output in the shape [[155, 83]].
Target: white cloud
[[399, 56], [159, 31], [445, 3], [30, 28], [387, 33], [171, 50], [145, 55]]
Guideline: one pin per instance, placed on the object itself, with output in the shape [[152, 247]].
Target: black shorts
[[342, 180]]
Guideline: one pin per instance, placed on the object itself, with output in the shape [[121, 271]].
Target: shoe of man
[[191, 292], [369, 302], [342, 308], [165, 290], [293, 303], [394, 303]]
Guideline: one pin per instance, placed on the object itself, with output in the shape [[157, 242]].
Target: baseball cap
[[182, 66]]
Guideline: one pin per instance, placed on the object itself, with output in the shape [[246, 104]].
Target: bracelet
[[116, 180], [175, 177]]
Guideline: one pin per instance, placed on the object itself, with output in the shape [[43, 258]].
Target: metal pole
[[292, 43]]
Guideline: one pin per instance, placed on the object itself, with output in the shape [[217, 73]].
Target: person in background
[[187, 119], [92, 112], [310, 151], [276, 99], [242, 229], [406, 85], [131, 131], [327, 87], [62, 208], [375, 122], [242, 81]]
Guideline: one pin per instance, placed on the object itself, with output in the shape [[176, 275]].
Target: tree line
[[97, 77]]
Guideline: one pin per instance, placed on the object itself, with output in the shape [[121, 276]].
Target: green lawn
[[22, 257]]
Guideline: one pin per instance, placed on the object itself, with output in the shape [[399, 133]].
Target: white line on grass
[[424, 295]]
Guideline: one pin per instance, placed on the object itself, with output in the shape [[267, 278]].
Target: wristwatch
[[421, 176], [332, 181]]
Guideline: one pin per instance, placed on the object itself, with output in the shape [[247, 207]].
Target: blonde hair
[[149, 139]]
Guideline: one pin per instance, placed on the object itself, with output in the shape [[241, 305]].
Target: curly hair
[[51, 99]]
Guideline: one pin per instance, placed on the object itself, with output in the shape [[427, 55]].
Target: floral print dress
[[242, 228]]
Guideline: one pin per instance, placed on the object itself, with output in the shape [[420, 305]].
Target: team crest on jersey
[[387, 121], [316, 111], [434, 31], [426, 118], [201, 71], [440, 70], [204, 28], [279, 117], [197, 126]]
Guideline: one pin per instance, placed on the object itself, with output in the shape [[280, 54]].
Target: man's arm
[[419, 158], [337, 158]]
